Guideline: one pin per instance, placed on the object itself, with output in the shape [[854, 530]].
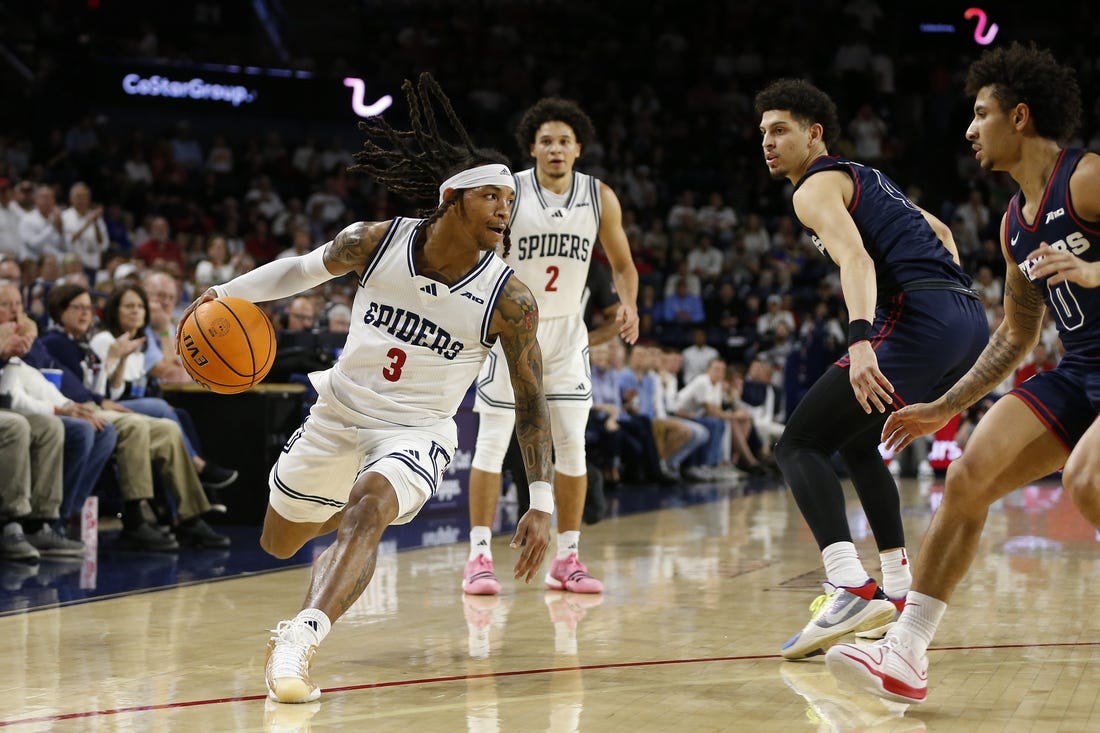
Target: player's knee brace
[[494, 433]]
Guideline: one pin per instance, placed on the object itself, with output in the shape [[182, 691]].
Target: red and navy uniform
[[1067, 398], [929, 324]]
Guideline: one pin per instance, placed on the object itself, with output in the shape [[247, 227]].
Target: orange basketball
[[227, 345]]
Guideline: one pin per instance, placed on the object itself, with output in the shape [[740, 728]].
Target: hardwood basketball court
[[700, 595]]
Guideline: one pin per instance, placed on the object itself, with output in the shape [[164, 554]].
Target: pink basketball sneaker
[[570, 574], [479, 578]]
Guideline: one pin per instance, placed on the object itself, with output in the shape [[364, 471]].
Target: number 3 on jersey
[[392, 373]]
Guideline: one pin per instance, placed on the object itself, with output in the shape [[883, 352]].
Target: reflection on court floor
[[703, 586]]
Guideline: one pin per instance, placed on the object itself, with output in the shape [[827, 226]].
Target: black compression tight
[[826, 421]]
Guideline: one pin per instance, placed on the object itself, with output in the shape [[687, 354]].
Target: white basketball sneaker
[[888, 668], [289, 655]]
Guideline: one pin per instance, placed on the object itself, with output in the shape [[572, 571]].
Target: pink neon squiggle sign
[[358, 103], [982, 35]]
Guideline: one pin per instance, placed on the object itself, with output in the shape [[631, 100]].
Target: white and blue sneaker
[[837, 613]]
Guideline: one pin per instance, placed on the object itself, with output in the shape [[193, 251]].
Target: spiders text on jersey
[[412, 329], [553, 245]]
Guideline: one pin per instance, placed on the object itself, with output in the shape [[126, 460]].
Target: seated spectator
[[218, 267], [625, 442], [41, 228], [335, 335], [724, 329], [764, 401], [705, 261], [162, 292], [300, 349], [679, 312], [683, 272], [770, 319], [89, 441], [123, 375], [31, 447], [31, 482], [718, 219], [161, 251], [757, 239], [260, 243], [290, 219], [143, 442], [697, 357], [265, 198], [742, 432], [11, 245], [84, 229], [300, 243], [683, 214], [701, 400], [642, 394]]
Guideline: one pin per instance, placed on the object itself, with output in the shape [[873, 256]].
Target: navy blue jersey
[[895, 233], [1076, 309]]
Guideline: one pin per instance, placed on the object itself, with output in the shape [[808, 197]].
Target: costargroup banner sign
[[234, 90], [195, 88]]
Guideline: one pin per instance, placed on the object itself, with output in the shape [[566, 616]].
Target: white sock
[[896, 575], [568, 543], [919, 620], [481, 542], [316, 620], [842, 565]]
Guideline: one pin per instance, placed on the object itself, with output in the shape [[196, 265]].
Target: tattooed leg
[[342, 572]]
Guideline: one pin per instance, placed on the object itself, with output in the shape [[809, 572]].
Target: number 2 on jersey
[[553, 272], [392, 373]]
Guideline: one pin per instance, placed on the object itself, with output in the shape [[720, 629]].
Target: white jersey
[[553, 240], [415, 344]]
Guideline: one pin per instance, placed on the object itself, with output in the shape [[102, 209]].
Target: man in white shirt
[[701, 400], [41, 229], [10, 216], [698, 356], [83, 228]]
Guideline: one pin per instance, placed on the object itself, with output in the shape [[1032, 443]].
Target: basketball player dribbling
[[558, 216], [432, 299]]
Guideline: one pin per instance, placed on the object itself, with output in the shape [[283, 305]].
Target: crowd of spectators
[[726, 272]]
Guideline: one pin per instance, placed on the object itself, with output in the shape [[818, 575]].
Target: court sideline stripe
[[486, 675]]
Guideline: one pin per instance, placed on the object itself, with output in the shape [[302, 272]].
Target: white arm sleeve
[[279, 278]]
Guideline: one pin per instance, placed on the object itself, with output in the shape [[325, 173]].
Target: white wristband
[[542, 496]]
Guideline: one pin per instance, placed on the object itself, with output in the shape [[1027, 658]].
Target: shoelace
[[820, 601], [288, 659], [894, 644], [578, 572]]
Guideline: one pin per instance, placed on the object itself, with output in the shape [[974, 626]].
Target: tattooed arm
[[515, 323], [348, 252], [353, 246], [1010, 343], [1008, 346]]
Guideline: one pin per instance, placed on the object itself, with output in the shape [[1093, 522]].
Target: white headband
[[493, 174]]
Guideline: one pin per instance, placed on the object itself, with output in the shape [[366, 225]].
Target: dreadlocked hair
[[413, 163]]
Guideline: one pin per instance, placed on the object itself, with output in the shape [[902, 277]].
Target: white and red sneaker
[[888, 668], [479, 579], [570, 574]]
